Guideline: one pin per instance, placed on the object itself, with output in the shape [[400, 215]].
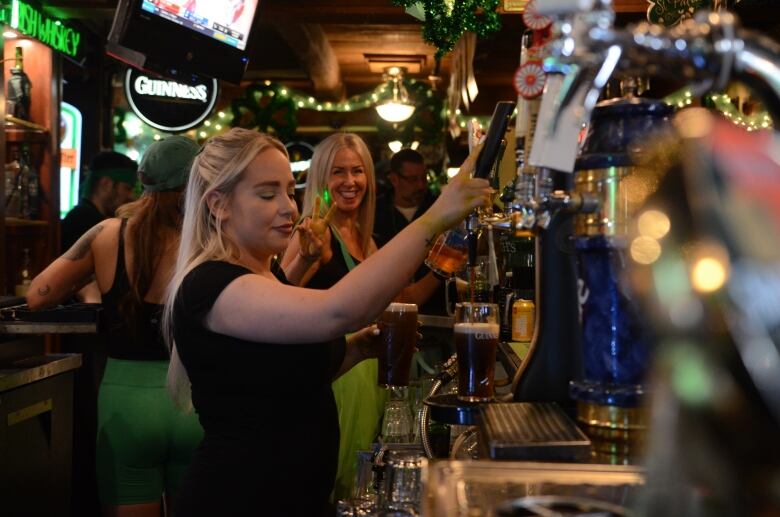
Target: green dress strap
[[346, 254]]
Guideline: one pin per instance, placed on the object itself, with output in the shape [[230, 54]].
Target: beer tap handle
[[495, 135], [557, 132]]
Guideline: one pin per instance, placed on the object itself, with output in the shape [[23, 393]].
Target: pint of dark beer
[[476, 339], [449, 253], [398, 327]]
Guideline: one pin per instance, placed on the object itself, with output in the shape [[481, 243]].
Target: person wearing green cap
[[109, 184], [143, 443]]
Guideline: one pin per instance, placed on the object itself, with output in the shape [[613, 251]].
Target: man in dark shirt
[[109, 184], [409, 199]]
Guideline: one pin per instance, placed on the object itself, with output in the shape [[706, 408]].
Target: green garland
[[271, 106], [447, 20], [722, 103]]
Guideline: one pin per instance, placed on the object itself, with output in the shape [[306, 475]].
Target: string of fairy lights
[[724, 104], [141, 135], [222, 120]]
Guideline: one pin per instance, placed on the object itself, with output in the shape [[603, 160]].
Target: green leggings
[[143, 443]]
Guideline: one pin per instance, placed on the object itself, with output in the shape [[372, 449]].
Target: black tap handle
[[496, 131]]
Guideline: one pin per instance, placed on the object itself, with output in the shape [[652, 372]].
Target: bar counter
[[602, 477], [36, 420]]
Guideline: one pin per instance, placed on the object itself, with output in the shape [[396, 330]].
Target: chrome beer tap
[[707, 51], [587, 51]]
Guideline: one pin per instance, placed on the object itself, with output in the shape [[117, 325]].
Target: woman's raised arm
[[256, 308]]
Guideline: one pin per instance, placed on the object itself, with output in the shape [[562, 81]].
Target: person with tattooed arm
[[143, 443]]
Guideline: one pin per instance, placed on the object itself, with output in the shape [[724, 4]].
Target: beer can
[[523, 320]]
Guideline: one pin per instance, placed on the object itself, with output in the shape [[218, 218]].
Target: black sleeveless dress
[[267, 410], [336, 269], [142, 341]]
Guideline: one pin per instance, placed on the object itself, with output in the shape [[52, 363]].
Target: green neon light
[[69, 177], [52, 32], [15, 15]]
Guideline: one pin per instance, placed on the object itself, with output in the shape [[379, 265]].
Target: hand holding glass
[[398, 327]]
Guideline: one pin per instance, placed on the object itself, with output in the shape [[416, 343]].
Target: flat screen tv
[[179, 37]]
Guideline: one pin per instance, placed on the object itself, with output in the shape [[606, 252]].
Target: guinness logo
[[169, 105]]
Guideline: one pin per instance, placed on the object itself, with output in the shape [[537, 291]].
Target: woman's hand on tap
[[459, 197]]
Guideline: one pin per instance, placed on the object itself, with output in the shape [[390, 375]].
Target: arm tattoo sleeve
[[79, 250]]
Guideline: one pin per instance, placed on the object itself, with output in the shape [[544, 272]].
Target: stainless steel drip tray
[[532, 432], [480, 488]]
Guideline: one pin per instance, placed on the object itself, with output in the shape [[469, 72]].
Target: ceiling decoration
[[463, 85], [672, 12], [447, 20]]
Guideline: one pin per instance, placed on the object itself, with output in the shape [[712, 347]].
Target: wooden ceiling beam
[[630, 6], [348, 12], [309, 42]]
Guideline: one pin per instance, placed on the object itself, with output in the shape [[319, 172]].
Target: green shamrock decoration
[[263, 108], [672, 12]]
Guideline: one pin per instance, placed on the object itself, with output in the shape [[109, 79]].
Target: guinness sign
[[170, 105]]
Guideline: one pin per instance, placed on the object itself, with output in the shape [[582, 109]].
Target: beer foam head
[[483, 329], [402, 307]]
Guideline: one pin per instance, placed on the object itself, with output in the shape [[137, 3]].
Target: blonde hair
[[319, 172], [217, 168]]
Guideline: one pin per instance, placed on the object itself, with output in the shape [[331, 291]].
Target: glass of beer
[[398, 327], [449, 253], [476, 339]]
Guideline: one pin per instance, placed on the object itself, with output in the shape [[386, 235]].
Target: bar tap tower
[[615, 344]]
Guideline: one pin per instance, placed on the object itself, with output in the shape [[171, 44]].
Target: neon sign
[[50, 31]]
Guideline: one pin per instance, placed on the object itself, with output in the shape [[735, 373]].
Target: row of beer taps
[[585, 51]]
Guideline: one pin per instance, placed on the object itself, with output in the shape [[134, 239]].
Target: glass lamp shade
[[395, 145], [394, 111]]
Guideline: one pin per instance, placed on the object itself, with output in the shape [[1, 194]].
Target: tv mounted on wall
[[179, 37]]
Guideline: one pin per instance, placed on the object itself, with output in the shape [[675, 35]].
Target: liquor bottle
[[18, 90], [24, 189], [12, 187], [505, 294], [479, 287], [30, 186], [25, 275]]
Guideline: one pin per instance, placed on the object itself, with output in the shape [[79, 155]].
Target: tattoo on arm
[[43, 291], [429, 241], [79, 250]]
